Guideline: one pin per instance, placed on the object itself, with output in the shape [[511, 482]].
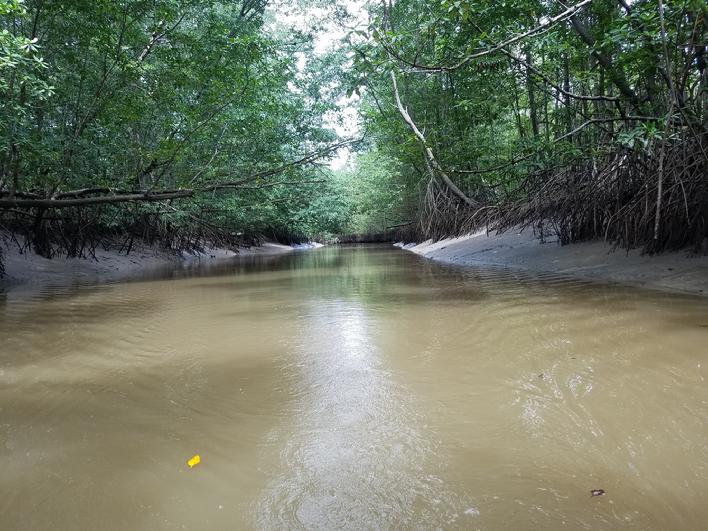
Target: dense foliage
[[181, 120], [186, 121], [589, 119]]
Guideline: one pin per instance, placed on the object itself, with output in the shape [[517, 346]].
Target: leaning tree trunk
[[430, 157]]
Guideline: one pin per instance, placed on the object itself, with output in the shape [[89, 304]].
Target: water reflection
[[353, 388], [356, 454]]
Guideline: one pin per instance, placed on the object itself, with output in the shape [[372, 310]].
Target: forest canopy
[[587, 120], [171, 119], [194, 121]]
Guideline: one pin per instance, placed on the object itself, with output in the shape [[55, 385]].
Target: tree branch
[[432, 161], [568, 13], [87, 201]]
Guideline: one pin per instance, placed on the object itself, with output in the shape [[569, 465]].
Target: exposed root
[[612, 196]]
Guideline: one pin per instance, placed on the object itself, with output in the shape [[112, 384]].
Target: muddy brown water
[[353, 388]]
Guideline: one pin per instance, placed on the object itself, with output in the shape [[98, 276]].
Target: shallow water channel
[[354, 388]]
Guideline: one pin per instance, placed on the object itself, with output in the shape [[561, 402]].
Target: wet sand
[[27, 271], [681, 271]]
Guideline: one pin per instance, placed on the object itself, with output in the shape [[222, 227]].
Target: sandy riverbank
[[679, 271], [27, 271]]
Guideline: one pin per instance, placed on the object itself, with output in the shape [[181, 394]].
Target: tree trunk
[[533, 110], [426, 149]]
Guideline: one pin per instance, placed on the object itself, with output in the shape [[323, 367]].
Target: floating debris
[[194, 461], [597, 492]]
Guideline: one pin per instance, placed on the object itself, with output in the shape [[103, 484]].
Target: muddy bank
[[679, 271], [28, 272]]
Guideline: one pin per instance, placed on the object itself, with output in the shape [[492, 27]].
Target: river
[[353, 388]]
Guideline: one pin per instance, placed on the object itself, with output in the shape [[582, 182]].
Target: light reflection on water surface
[[357, 388]]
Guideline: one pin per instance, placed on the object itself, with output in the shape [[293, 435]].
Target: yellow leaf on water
[[194, 461]]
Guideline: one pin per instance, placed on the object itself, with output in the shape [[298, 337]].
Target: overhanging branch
[[87, 201], [543, 27], [100, 195]]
